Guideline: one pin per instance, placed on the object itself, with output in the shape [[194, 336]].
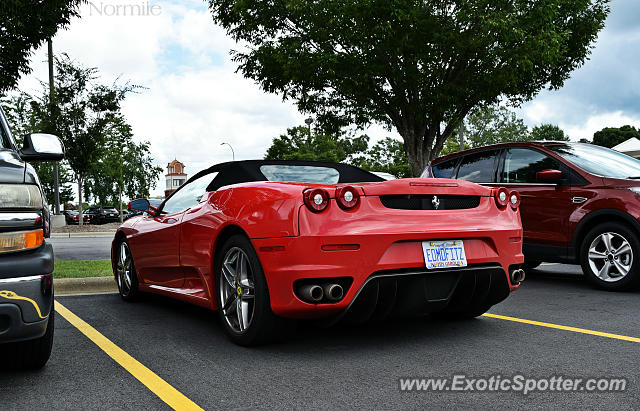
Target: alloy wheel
[[124, 269], [610, 257], [237, 290]]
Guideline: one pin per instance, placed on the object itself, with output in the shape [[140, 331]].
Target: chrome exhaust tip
[[333, 292], [517, 276], [311, 293]]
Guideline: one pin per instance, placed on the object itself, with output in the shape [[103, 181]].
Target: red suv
[[580, 203]]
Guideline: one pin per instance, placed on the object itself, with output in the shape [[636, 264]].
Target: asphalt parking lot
[[341, 367]]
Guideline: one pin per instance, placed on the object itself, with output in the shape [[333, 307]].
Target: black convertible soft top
[[236, 172]]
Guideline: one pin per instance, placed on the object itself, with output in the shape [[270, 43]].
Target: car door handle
[[578, 200]]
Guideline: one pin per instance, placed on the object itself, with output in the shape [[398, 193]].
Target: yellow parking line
[[174, 398], [564, 328]]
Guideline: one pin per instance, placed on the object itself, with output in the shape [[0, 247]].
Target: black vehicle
[[102, 215], [26, 259], [71, 217]]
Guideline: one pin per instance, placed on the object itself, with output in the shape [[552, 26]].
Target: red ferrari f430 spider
[[263, 242]]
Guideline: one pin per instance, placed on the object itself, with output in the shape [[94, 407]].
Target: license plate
[[444, 254], [111, 215]]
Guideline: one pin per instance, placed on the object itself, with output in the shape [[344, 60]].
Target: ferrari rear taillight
[[502, 197], [316, 199], [514, 200], [347, 197]]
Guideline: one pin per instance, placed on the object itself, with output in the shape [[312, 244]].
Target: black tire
[[264, 326], [617, 233], [31, 354], [126, 275], [531, 265]]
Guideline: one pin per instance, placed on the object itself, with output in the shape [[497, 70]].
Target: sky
[[194, 100]]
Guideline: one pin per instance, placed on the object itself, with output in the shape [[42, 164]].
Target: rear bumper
[[286, 260]]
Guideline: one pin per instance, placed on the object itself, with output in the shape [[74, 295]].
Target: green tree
[[549, 132], [25, 25], [612, 136], [301, 144], [81, 114], [492, 125], [23, 120], [124, 168], [417, 65], [387, 156]]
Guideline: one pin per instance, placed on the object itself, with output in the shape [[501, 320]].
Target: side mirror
[[549, 175], [42, 147], [142, 204]]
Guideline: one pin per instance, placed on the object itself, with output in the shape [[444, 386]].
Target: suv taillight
[[514, 200], [316, 199]]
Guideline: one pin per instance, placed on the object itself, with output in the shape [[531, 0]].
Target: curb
[[65, 286], [84, 235]]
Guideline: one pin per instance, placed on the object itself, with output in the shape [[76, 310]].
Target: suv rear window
[[445, 169], [479, 167]]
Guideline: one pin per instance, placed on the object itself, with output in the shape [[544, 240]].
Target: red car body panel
[[174, 254]]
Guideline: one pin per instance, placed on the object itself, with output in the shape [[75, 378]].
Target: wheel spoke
[[242, 268], [596, 255], [606, 239], [230, 300], [604, 271], [228, 275], [622, 269], [123, 253], [623, 249], [240, 315], [244, 310]]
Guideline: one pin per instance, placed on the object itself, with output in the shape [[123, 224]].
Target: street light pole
[[233, 153], [308, 122], [56, 182]]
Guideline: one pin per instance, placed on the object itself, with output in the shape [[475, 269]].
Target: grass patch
[[82, 269]]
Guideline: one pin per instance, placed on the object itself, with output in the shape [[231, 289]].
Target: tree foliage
[[339, 147], [25, 25], [23, 120], [417, 65], [494, 124], [387, 156], [612, 136], [124, 167], [549, 132], [302, 144]]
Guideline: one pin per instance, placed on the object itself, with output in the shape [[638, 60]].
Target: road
[[81, 248], [340, 367]]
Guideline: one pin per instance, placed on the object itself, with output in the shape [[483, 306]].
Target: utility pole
[[56, 182]]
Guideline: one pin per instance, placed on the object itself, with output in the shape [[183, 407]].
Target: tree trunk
[[80, 213], [120, 202], [417, 151]]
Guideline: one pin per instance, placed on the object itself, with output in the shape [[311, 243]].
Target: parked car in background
[[71, 217], [580, 203], [261, 241], [103, 215], [26, 259]]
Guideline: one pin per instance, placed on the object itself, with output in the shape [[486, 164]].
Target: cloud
[[606, 89]]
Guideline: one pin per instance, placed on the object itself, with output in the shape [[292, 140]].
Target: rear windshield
[[301, 174]]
